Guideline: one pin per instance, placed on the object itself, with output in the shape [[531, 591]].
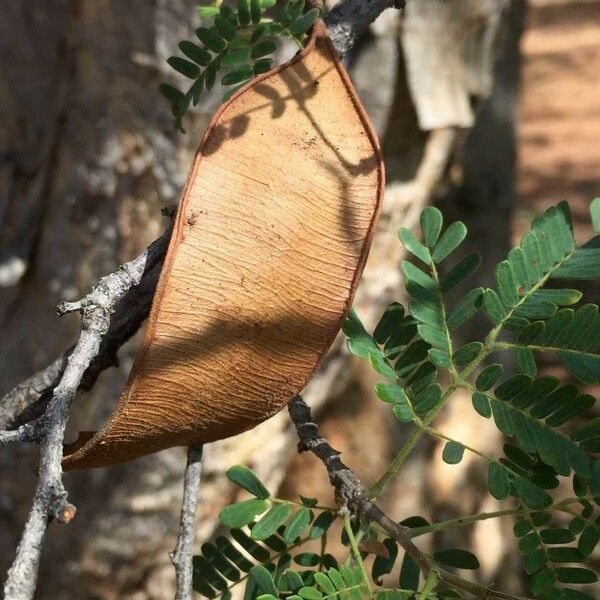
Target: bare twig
[[29, 399], [348, 488], [352, 493], [50, 501], [13, 403], [181, 557], [25, 433]]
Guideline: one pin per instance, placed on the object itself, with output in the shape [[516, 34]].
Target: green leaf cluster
[[554, 555], [264, 541], [235, 45], [534, 308]]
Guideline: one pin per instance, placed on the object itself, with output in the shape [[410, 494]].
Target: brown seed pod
[[271, 237]]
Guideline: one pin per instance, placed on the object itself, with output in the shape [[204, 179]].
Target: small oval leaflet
[[271, 237]]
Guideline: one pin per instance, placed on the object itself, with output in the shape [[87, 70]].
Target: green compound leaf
[[321, 524], [225, 29], [219, 561], [409, 573], [588, 540], [211, 38], [305, 22], [262, 66], [489, 377], [381, 564], [465, 309], [525, 361], [460, 559], [243, 9], [529, 410], [531, 495], [241, 513], [241, 74], [381, 365], [482, 405], [171, 93], [556, 535], [298, 523], [255, 11], [195, 53], [498, 481], [403, 413], [263, 48], [360, 343], [391, 320], [256, 551], [236, 56], [392, 393], [247, 479], [183, 66], [493, 307], [576, 575], [467, 353], [573, 335], [542, 580], [466, 267], [205, 12]]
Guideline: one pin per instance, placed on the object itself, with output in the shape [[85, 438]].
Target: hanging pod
[[271, 237]]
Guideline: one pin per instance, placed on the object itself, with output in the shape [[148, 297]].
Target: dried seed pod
[[271, 237]]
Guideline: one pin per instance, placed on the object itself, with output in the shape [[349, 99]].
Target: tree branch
[[50, 500], [349, 19], [28, 400], [347, 487], [181, 557], [25, 433], [352, 493]]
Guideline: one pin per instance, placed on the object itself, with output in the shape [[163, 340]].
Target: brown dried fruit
[[286, 186]]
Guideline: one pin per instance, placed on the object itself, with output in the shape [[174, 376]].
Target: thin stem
[[466, 520], [436, 278], [356, 552], [377, 488], [182, 555], [490, 340], [430, 584], [442, 436], [537, 348]]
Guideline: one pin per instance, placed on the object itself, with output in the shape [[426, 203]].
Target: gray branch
[[50, 500], [25, 433], [182, 555], [29, 400], [347, 487]]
